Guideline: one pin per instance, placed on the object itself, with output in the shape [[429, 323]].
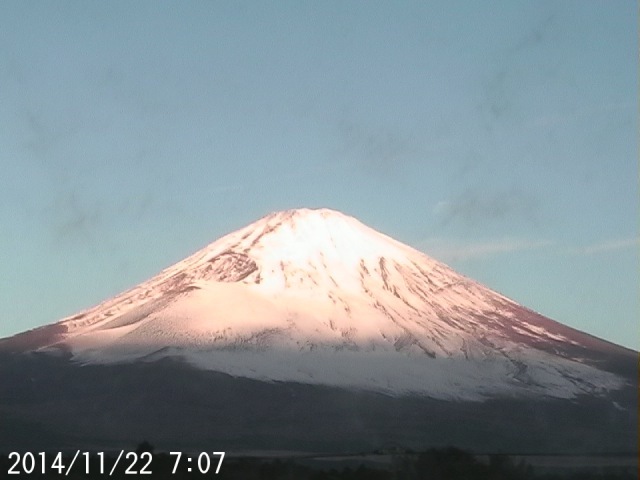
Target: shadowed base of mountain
[[50, 403]]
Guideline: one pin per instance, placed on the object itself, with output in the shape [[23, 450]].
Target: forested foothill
[[433, 464]]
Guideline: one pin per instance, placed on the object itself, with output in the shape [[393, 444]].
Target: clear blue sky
[[499, 137]]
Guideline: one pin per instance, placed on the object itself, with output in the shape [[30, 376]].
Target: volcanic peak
[[319, 287]]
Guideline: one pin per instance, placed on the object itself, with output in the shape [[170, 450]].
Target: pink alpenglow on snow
[[315, 296]]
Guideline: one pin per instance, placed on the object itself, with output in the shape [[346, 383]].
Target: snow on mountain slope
[[316, 296]]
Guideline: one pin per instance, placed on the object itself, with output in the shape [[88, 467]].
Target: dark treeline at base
[[433, 464]]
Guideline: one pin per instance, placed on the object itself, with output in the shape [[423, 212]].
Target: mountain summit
[[316, 297]]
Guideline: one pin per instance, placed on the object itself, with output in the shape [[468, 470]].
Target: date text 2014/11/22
[[133, 463]]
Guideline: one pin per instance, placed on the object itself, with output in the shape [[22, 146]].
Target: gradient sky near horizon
[[499, 137]]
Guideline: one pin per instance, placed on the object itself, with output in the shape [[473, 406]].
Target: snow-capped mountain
[[315, 296]]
